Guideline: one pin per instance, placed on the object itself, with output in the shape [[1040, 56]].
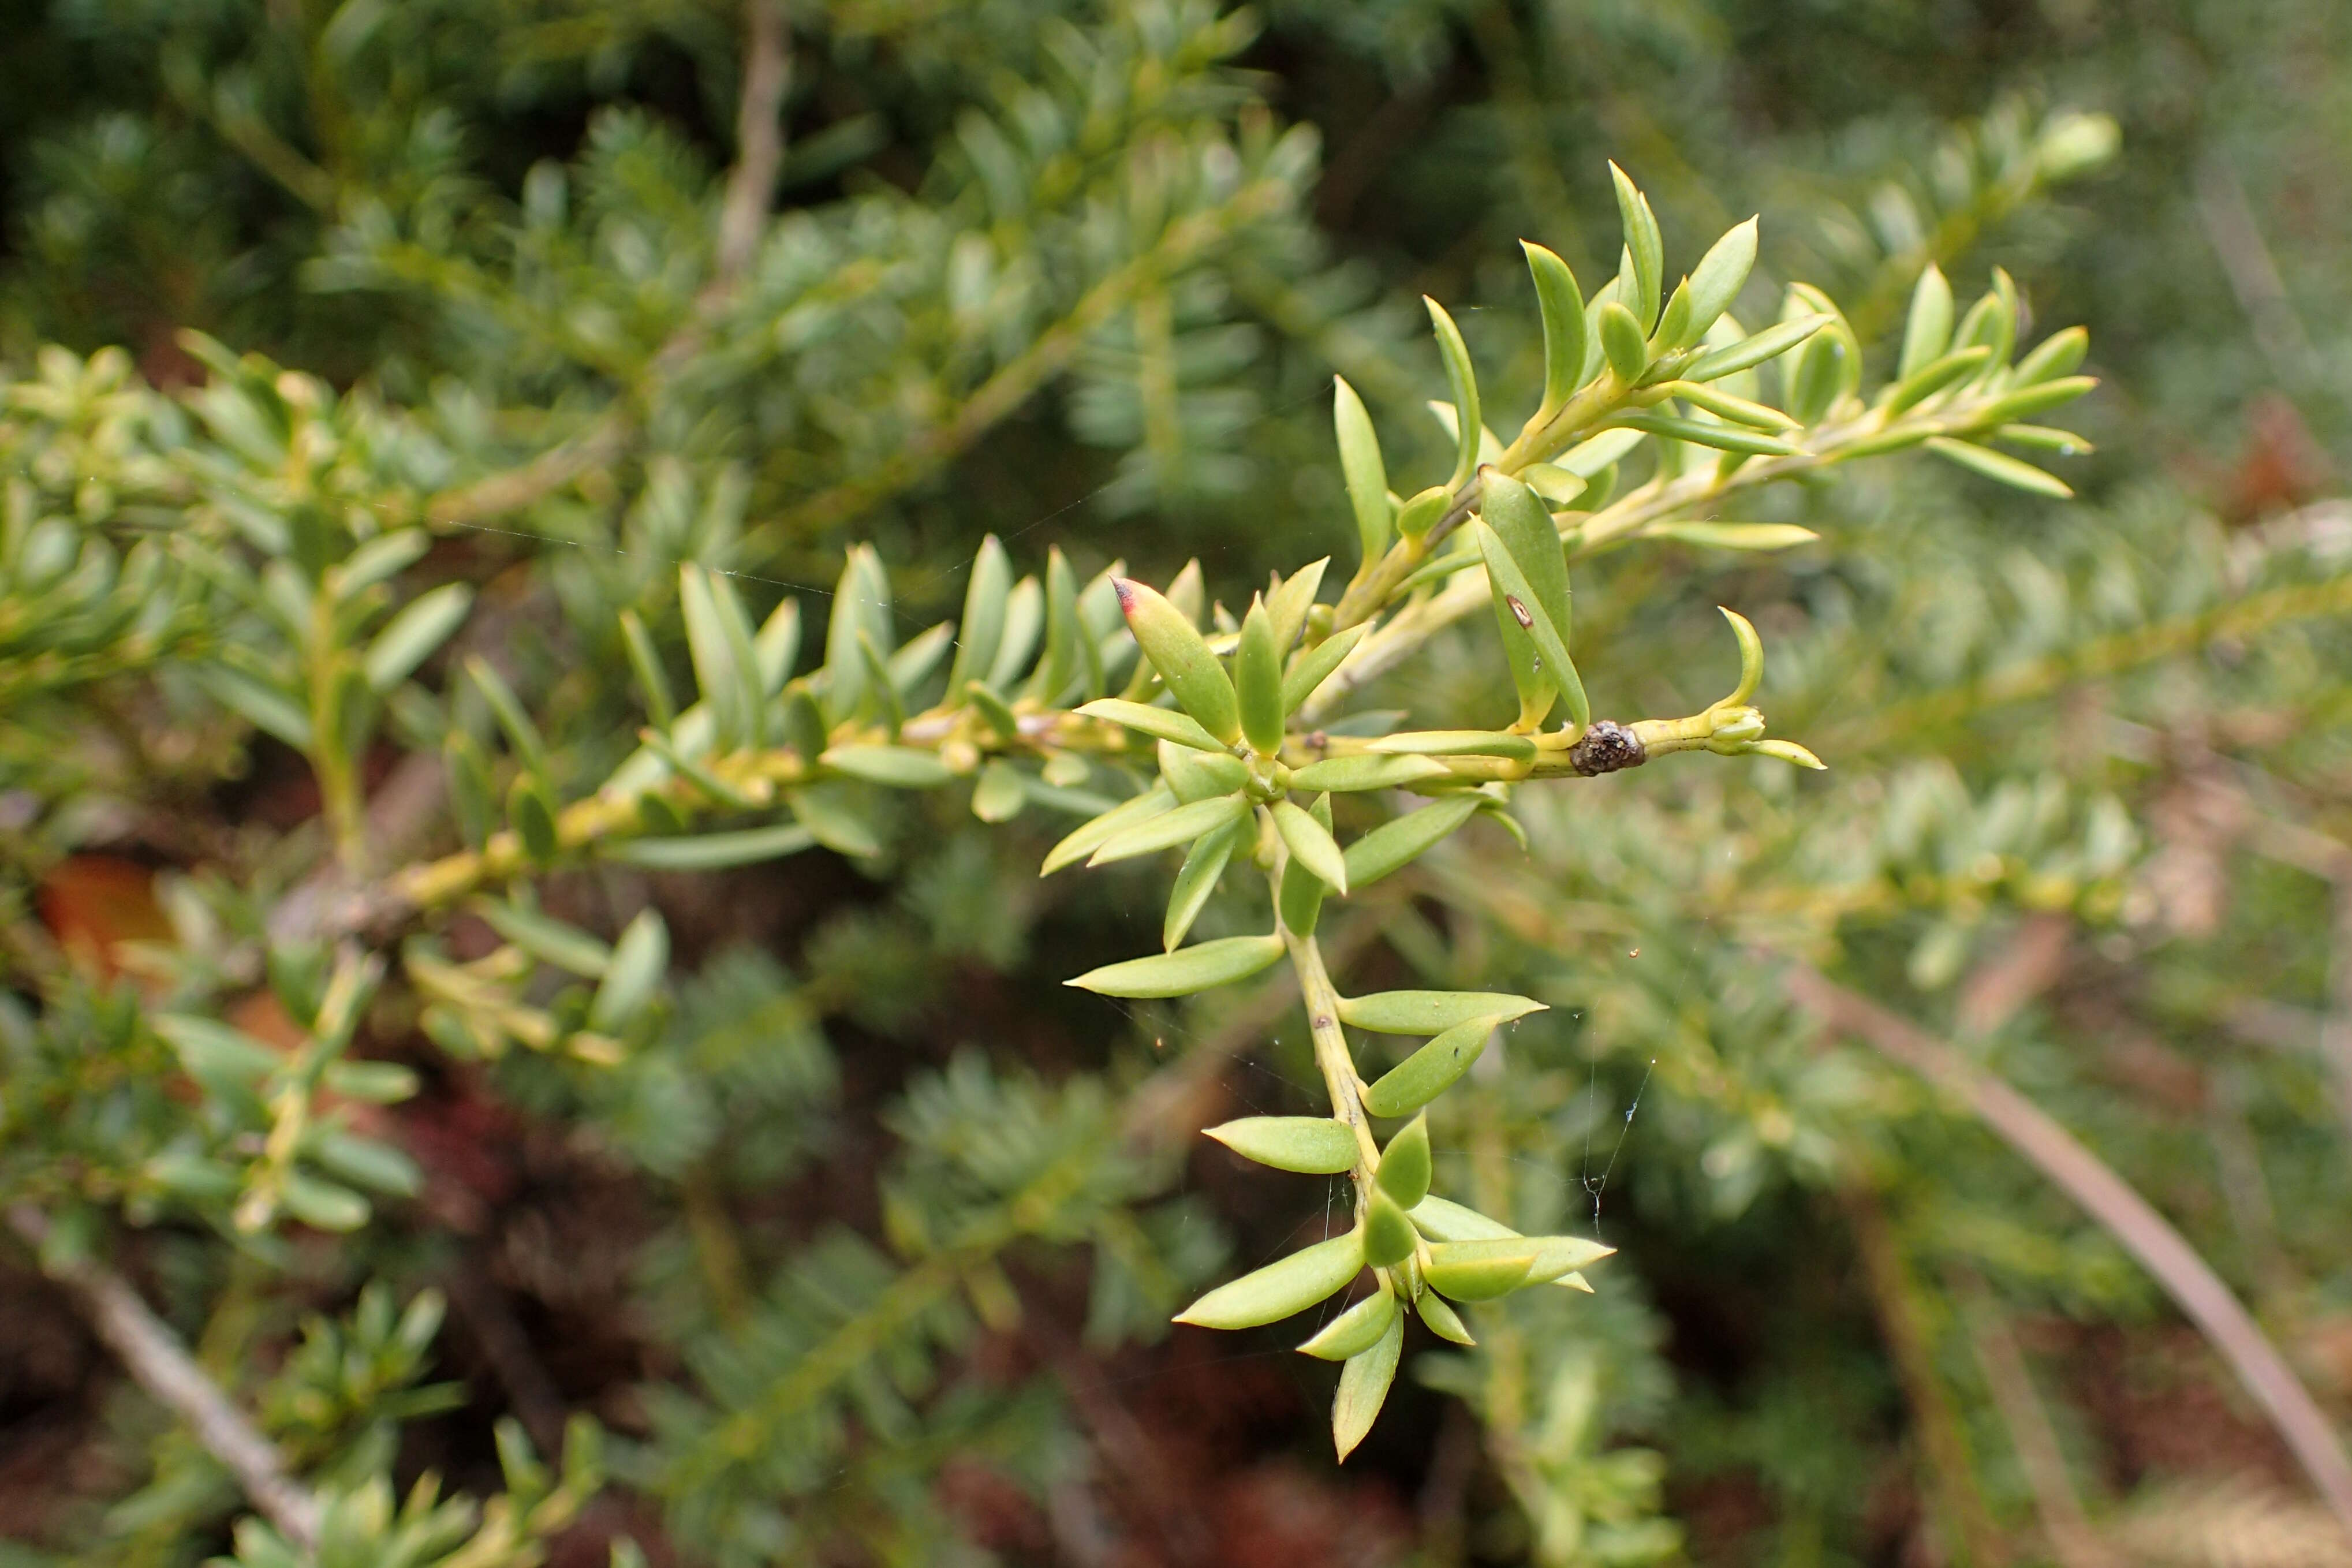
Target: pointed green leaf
[[1484, 1278], [1196, 881], [1705, 433], [507, 709], [1168, 829], [1432, 1012], [1431, 1071], [1934, 376], [1442, 1220], [324, 1205], [1197, 775], [1257, 681], [710, 851], [1355, 1331], [2001, 466], [900, 767], [1312, 667], [833, 817], [639, 957], [1456, 743], [1312, 844], [778, 644], [1161, 723], [1562, 304], [1181, 657], [1314, 1145], [1927, 332], [1187, 970], [1025, 618], [1364, 1388], [1747, 352], [1394, 844], [1541, 1259], [1643, 244], [1389, 1236], [1721, 273], [986, 600], [645, 662], [1287, 602], [1062, 662], [1464, 384], [1084, 839], [1366, 474], [530, 811], [1732, 535], [1364, 771], [999, 794], [1443, 1320], [1523, 614], [1739, 410], [410, 637], [1275, 1292], [2060, 353], [2039, 398], [1624, 344], [1404, 1168]]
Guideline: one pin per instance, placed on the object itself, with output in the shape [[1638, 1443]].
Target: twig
[[759, 138], [2109, 1199], [161, 1365], [1956, 1507], [2071, 1540]]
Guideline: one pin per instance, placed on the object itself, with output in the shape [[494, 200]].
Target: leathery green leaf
[[1465, 382], [531, 811], [1196, 881], [1257, 680], [1395, 844], [1355, 1331], [1088, 836], [645, 662], [1364, 1387], [1732, 535], [1170, 828], [833, 817], [1288, 599], [1429, 1071], [1388, 1235], [1523, 613], [548, 940], [1313, 1145], [1443, 1320], [1278, 1291], [1311, 844], [1310, 668], [1562, 304], [1200, 967], [421, 626], [1703, 433], [1182, 656], [1366, 770], [1431, 1012], [1366, 474], [1404, 1168], [1025, 620], [1159, 723]]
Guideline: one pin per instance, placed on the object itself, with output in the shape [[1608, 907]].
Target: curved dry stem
[[2109, 1199]]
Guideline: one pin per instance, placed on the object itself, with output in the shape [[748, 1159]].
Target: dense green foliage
[[561, 570]]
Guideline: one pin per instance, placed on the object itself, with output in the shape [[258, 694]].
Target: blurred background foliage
[[863, 1249]]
